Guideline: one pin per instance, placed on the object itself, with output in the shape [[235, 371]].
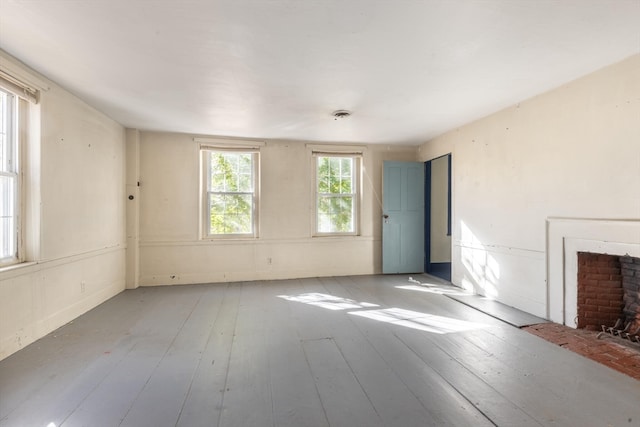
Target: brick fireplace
[[608, 290], [566, 237]]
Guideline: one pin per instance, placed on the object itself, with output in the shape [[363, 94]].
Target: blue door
[[403, 217]]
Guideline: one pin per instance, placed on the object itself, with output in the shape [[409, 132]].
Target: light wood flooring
[[345, 351]]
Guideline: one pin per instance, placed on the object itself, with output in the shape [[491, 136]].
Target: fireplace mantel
[[568, 236]]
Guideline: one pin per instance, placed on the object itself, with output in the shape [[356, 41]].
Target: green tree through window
[[336, 194], [231, 192]]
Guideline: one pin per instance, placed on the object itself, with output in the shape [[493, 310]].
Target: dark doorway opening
[[438, 217]]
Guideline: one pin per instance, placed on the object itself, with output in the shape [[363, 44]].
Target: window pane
[[231, 172], [3, 131], [322, 165], [231, 213], [345, 175], [7, 149], [335, 214], [221, 172], [8, 229], [335, 175]]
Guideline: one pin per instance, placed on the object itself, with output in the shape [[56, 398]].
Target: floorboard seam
[[233, 340], [188, 393], [471, 402]]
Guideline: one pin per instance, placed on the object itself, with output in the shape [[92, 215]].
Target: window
[[9, 178], [230, 199], [17, 98], [337, 193]]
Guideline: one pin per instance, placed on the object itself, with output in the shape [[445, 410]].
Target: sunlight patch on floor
[[396, 316], [434, 289], [421, 321], [327, 301]]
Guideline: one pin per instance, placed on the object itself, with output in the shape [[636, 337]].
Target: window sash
[[8, 142], [9, 179], [331, 219]]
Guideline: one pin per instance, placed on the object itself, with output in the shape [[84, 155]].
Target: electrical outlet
[[269, 261], [82, 287]]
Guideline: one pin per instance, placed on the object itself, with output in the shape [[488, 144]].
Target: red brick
[[592, 315], [585, 256], [598, 302], [630, 362], [608, 270], [596, 347], [611, 293], [603, 358], [592, 290], [588, 282], [605, 283], [604, 309]]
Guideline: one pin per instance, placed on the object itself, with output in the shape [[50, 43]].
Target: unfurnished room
[[322, 213]]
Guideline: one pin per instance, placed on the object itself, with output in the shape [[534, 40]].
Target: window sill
[[7, 270], [336, 235], [258, 241], [229, 238]]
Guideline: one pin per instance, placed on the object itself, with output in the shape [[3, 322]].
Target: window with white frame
[[9, 178], [337, 188], [230, 200]]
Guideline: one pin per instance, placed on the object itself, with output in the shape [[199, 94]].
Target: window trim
[[19, 88], [205, 175], [348, 152], [27, 87]]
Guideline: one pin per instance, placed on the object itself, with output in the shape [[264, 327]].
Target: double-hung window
[[337, 193], [16, 99], [9, 178], [230, 199]]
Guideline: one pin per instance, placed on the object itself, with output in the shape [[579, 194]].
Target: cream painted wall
[[171, 251], [75, 218], [440, 242], [132, 274], [572, 152]]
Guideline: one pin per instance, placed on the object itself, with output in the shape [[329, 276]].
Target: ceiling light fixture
[[341, 114]]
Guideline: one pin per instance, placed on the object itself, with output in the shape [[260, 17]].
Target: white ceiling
[[408, 69]]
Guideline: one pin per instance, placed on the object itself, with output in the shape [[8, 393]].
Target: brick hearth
[[615, 354]]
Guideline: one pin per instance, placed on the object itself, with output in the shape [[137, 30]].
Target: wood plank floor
[[343, 351]]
